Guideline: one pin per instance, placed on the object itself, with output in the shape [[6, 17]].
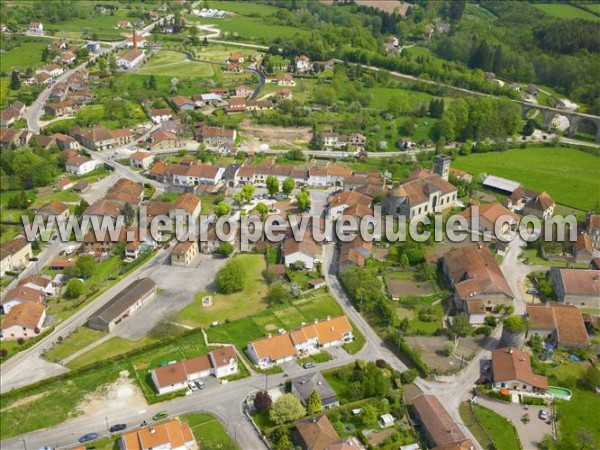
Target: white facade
[[81, 169], [309, 261], [18, 331]]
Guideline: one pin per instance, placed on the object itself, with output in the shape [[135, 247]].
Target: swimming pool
[[559, 393]]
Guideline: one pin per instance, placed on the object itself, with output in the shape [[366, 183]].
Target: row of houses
[[219, 363], [302, 341]]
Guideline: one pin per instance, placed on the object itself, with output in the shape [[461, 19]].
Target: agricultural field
[[565, 11], [173, 64], [220, 53], [28, 54], [102, 25], [568, 175]]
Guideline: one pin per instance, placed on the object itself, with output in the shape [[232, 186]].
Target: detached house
[[19, 250], [511, 369], [130, 58], [24, 321], [53, 210], [527, 202], [560, 325], [160, 115], [36, 27], [475, 275], [181, 103], [302, 64], [305, 252], [171, 435], [20, 295], [577, 287], [80, 165], [142, 160], [161, 140]]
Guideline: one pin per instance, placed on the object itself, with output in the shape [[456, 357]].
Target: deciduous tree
[[286, 408]]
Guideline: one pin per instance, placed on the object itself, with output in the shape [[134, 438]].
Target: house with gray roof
[[303, 387]]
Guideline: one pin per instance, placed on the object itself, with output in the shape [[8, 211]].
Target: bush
[[408, 376], [231, 278], [20, 341], [533, 401]]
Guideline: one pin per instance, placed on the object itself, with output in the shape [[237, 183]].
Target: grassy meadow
[[569, 176]]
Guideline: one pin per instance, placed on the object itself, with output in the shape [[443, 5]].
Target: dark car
[[88, 437], [35, 258], [117, 427]]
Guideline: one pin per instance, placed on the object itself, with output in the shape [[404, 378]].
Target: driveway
[[531, 433], [178, 286]]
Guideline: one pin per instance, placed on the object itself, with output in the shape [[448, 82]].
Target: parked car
[[88, 437], [45, 448], [160, 415], [117, 427], [199, 384], [309, 365], [543, 414], [192, 386], [35, 258]]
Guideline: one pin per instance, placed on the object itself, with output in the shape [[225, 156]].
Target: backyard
[[542, 169], [242, 331]]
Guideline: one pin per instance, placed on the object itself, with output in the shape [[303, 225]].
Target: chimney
[[269, 335], [328, 317], [152, 430], [510, 350], [316, 321]]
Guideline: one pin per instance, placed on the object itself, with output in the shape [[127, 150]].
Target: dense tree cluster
[[231, 278], [366, 291], [27, 168]]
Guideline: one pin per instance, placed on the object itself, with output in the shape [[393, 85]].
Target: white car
[[543, 414], [192, 386]]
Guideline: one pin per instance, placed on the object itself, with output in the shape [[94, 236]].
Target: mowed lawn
[[503, 433], [581, 412], [110, 348], [176, 65], [78, 340], [28, 54], [564, 11], [570, 176], [233, 306], [207, 429]]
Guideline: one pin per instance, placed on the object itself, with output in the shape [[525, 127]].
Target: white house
[[36, 27], [52, 70], [219, 363], [24, 321], [39, 283], [303, 252], [511, 369], [142, 160], [130, 58], [160, 115], [19, 295], [317, 177], [302, 63], [80, 165]]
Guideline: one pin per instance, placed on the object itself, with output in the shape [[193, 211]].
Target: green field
[[108, 349], [103, 25], [175, 64], [244, 8], [252, 28], [564, 11], [581, 412], [51, 403], [232, 306], [28, 54], [207, 429], [503, 433], [569, 176], [78, 340], [241, 331]]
